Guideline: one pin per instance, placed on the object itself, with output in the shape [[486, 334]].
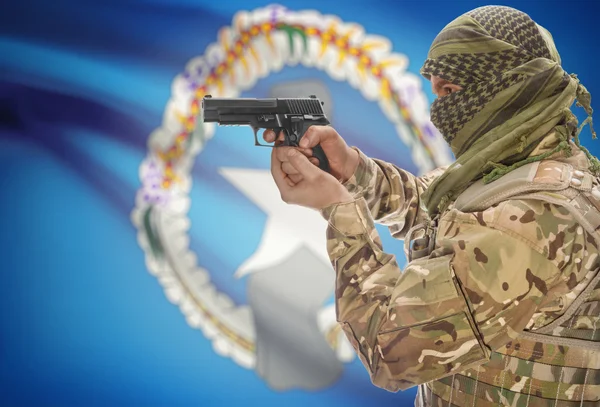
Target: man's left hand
[[316, 189]]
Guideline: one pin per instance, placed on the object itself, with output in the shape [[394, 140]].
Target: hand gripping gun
[[293, 116]]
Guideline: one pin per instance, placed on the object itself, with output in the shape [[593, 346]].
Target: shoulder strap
[[551, 181], [480, 196]]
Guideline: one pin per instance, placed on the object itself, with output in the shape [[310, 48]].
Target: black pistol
[[293, 116]]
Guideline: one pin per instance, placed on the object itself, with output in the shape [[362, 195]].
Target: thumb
[[301, 163], [311, 138]]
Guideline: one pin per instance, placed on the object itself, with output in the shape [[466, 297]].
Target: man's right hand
[[343, 160]]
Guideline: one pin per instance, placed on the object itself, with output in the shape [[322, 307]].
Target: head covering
[[514, 93]]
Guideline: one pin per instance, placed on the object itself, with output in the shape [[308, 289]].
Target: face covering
[[514, 93]]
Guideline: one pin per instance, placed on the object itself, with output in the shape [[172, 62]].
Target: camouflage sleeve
[[446, 312], [392, 194]]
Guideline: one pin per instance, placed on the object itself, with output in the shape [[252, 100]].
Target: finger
[[315, 135], [306, 151], [269, 135], [295, 178], [280, 138], [280, 141], [290, 181], [276, 139], [288, 168], [282, 152], [303, 165], [278, 175]]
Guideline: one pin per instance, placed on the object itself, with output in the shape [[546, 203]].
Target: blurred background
[[148, 261]]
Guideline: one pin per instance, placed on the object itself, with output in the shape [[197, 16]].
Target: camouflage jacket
[[492, 274]]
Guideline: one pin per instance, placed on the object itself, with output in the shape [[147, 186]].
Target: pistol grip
[[320, 154]]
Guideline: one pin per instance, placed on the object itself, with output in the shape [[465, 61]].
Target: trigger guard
[[255, 130]]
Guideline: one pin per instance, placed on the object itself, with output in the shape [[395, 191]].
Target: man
[[499, 303]]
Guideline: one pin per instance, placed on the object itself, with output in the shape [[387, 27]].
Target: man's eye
[[447, 90]]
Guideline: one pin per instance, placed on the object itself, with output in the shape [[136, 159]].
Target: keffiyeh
[[514, 92]]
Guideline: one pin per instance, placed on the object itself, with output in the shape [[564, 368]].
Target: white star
[[288, 227]]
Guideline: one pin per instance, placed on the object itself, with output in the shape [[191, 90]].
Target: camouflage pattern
[[392, 202], [452, 322]]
